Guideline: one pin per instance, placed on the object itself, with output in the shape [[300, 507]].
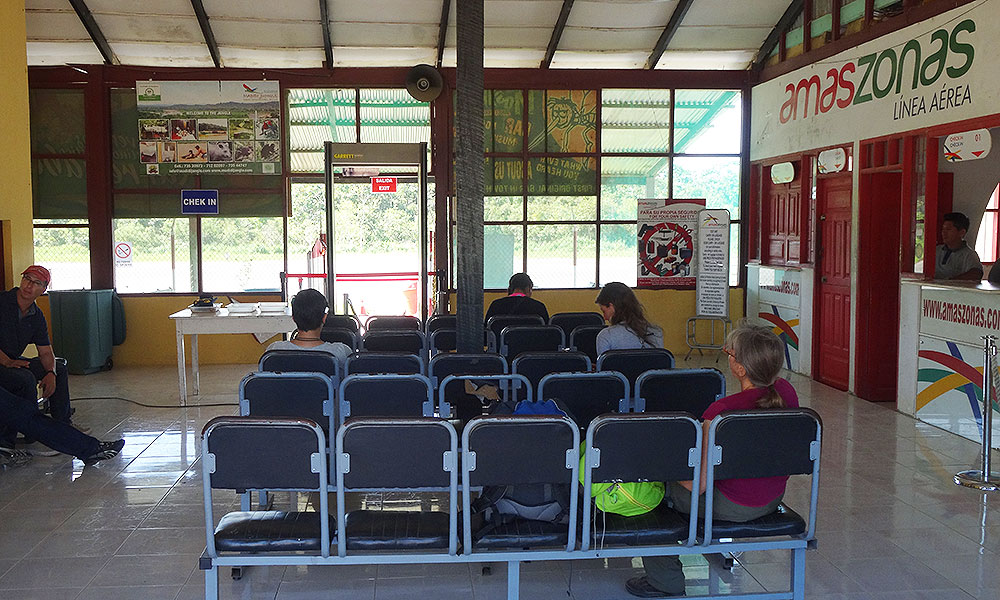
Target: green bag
[[627, 499]]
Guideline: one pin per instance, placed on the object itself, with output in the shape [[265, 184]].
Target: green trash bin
[[82, 329]]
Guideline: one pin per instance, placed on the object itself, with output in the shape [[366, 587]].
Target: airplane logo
[[249, 89]]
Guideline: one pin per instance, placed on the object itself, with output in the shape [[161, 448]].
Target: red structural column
[[97, 101]]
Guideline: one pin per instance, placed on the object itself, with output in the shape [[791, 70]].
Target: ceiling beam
[[206, 31], [95, 32], [786, 20], [324, 17], [557, 32], [668, 33], [443, 31]]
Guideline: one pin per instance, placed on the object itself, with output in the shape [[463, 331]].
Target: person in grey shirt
[[629, 327], [309, 310], [954, 258]]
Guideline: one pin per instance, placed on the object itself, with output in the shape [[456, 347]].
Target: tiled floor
[[891, 524]]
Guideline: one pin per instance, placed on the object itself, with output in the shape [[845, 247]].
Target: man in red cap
[[22, 323]]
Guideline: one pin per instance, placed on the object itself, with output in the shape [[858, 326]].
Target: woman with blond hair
[[756, 357]]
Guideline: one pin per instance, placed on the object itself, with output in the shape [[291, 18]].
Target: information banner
[[206, 127], [666, 248], [712, 289]]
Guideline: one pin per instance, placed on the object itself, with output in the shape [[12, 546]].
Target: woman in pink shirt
[[756, 356]]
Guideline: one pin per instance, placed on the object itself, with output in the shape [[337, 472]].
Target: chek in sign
[[199, 202], [383, 185]]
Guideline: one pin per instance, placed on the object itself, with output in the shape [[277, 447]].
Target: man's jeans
[[23, 383]]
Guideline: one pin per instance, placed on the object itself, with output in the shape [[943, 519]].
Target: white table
[[262, 326]]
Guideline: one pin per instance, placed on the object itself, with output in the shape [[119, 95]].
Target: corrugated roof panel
[[260, 34], [264, 58], [59, 53], [137, 7], [163, 54], [150, 29]]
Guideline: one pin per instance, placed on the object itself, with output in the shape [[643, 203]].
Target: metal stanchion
[[985, 479]]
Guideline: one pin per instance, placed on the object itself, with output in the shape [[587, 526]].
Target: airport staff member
[[954, 258], [22, 323]]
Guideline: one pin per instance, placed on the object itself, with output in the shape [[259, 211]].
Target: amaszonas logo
[[879, 74]]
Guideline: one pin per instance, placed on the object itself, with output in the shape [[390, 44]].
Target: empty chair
[[464, 405], [436, 322], [496, 325], [535, 365], [383, 322], [443, 339], [349, 322], [569, 321], [288, 395], [240, 453], [585, 396], [397, 454], [384, 362], [661, 447], [386, 395], [496, 391], [530, 338], [687, 390], [344, 336], [308, 361], [584, 339], [635, 362], [395, 340]]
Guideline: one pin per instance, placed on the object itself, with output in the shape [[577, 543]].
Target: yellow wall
[[15, 158]]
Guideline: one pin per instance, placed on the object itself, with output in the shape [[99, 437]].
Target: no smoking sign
[[123, 254]]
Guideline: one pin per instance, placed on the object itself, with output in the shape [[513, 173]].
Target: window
[[562, 206], [987, 239]]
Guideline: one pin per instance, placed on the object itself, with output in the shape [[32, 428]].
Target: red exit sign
[[383, 184]]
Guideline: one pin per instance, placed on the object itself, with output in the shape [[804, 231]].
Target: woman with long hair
[[756, 357], [629, 326]]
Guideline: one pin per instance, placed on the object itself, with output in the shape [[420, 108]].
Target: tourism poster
[[209, 127], [666, 246]]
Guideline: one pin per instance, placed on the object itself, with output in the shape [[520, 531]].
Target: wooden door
[[832, 325]]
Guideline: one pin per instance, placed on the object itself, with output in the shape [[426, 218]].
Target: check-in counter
[[781, 298], [941, 325]]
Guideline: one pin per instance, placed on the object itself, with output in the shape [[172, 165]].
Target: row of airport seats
[[386, 384], [426, 454], [509, 335]]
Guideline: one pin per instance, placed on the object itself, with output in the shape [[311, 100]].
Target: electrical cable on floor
[[137, 403]]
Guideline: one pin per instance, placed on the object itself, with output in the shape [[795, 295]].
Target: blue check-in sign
[[199, 202]]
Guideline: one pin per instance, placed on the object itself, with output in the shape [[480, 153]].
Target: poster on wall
[[666, 246], [713, 263], [209, 127]]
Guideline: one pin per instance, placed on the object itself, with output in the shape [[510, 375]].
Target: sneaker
[[105, 450], [14, 458], [40, 449], [640, 586]]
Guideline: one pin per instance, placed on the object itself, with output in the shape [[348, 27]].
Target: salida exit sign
[[383, 184]]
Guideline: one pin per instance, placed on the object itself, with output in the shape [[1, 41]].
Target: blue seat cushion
[[662, 525], [270, 531], [396, 530], [783, 521]]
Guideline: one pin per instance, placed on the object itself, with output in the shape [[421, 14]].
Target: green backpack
[[627, 499]]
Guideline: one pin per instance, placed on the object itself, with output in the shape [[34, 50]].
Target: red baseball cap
[[38, 272]]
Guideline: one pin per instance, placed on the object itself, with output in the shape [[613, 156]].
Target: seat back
[[384, 362], [585, 396], [584, 339], [458, 383], [635, 362], [348, 322], [396, 322], [289, 395], [633, 447], [535, 365], [344, 336], [764, 443], [300, 361], [241, 453], [568, 321], [395, 340], [386, 395], [440, 322], [530, 338], [520, 449], [497, 323], [443, 339], [394, 453], [685, 390], [463, 405]]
